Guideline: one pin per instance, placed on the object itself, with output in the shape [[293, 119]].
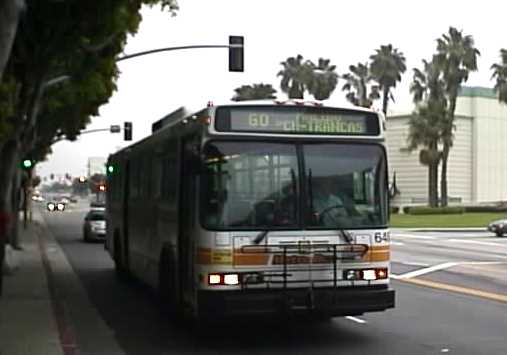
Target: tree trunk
[[8, 158], [10, 11], [8, 161], [15, 199], [443, 177], [385, 100], [447, 137]]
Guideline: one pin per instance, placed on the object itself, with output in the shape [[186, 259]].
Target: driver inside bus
[[329, 204]]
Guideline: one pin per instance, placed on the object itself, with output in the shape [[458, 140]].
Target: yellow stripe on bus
[[208, 256]]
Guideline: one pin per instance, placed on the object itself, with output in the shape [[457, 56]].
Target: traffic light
[[110, 169], [127, 131], [27, 164], [236, 53], [82, 179], [102, 188]]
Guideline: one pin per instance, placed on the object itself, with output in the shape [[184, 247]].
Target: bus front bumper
[[340, 301]]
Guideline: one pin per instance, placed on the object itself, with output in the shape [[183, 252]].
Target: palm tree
[[387, 65], [426, 124], [500, 76], [323, 79], [457, 57], [295, 76], [358, 83], [254, 92]]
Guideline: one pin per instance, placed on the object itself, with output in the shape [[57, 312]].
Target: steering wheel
[[326, 211]]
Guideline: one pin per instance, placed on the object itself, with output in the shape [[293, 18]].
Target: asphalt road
[[444, 314]]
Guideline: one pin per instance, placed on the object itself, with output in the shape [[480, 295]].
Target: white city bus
[[256, 208]]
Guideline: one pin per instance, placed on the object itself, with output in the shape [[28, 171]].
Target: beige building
[[477, 168]]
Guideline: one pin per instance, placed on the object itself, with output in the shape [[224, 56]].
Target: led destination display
[[314, 120]]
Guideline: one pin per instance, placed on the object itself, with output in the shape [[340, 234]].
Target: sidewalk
[[27, 323], [44, 308]]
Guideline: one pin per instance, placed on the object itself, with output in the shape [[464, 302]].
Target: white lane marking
[[483, 263], [397, 243], [475, 242], [411, 236], [414, 263], [423, 271], [355, 319]]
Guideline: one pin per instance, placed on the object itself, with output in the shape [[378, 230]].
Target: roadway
[[451, 298]]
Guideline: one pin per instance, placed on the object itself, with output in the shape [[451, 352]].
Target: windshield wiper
[[346, 235], [260, 237]]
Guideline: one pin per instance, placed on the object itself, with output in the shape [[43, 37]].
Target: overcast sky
[[346, 32]]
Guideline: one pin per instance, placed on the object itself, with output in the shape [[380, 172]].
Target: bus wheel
[[166, 286], [120, 270]]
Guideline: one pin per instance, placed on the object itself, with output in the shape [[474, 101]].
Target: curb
[[74, 313]]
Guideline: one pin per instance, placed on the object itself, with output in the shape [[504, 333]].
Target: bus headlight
[[231, 279], [60, 206], [51, 206], [223, 279]]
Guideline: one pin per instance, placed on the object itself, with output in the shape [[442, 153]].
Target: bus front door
[[187, 217]]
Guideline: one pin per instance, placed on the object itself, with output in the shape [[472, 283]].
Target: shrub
[[422, 210], [485, 209], [395, 209]]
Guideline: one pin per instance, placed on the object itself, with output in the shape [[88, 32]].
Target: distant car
[[55, 206], [498, 227], [94, 225], [37, 198]]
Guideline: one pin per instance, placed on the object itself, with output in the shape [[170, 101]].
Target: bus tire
[[168, 301], [120, 270]]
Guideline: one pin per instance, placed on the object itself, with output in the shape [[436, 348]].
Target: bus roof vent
[[170, 118]]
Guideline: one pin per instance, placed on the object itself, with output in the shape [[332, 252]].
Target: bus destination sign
[[316, 120]]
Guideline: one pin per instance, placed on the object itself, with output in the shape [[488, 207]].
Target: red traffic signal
[[236, 57]]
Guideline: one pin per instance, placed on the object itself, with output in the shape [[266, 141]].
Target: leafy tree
[[254, 92], [57, 40], [457, 57], [360, 91], [295, 76], [322, 79], [426, 123], [387, 65], [10, 12], [500, 76]]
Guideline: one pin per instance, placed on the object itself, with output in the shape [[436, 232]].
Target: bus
[[256, 208]]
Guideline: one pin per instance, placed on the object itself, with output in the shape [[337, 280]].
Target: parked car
[[498, 227], [94, 225]]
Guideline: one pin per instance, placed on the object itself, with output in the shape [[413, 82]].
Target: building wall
[[489, 147], [96, 165], [412, 176]]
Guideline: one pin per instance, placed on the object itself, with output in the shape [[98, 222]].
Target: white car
[[94, 226]]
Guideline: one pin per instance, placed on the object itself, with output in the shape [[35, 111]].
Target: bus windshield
[[259, 185], [250, 185], [345, 186]]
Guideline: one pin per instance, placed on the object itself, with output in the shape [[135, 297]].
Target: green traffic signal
[[27, 164], [110, 169]]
